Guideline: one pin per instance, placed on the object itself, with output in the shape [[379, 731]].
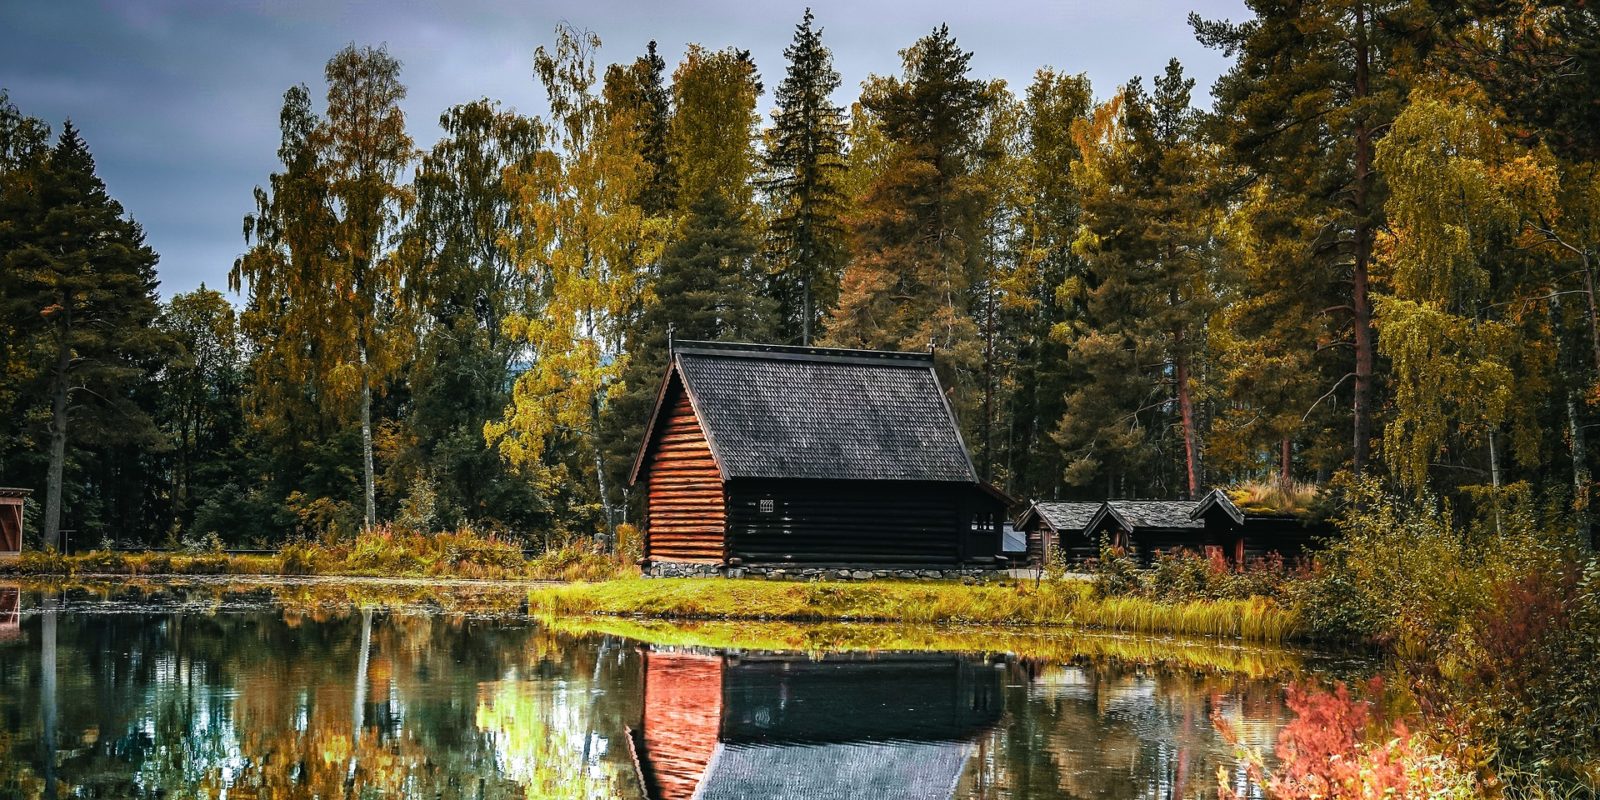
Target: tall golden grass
[[1064, 603], [383, 551], [1274, 497]]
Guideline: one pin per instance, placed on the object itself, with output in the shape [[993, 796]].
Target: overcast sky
[[179, 100]]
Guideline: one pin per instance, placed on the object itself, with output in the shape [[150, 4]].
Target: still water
[[274, 692]]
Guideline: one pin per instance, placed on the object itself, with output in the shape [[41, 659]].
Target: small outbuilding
[[11, 502], [1074, 531], [1055, 530], [765, 456]]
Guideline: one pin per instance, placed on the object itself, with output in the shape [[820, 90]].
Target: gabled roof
[[844, 771], [1061, 516], [1131, 515], [772, 411], [1217, 500]]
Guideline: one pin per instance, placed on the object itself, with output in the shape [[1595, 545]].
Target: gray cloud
[[179, 98]]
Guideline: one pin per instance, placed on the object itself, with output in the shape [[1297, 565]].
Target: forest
[[1369, 260]]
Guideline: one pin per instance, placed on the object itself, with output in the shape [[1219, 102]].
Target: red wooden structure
[[11, 520], [765, 455]]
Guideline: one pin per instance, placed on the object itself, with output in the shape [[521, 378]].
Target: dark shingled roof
[[1067, 516], [867, 770], [805, 412], [1171, 514]]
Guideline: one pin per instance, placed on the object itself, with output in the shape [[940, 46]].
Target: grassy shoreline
[[1066, 604], [1063, 604]]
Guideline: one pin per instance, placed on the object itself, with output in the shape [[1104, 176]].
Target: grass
[[1044, 644], [1053, 603], [1275, 497], [379, 552]]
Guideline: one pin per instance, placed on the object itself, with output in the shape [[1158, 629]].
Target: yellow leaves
[[585, 243], [1450, 373]]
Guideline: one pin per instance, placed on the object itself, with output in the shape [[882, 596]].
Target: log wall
[[846, 523], [685, 509]]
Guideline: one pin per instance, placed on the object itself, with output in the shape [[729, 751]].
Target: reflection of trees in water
[[187, 705], [272, 704], [1101, 729]]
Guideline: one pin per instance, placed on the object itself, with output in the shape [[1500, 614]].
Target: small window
[[766, 505]]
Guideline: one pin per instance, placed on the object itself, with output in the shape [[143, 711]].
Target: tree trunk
[[59, 395], [368, 490], [1575, 437], [1494, 482], [609, 538], [988, 384], [1361, 403], [805, 309], [1285, 462], [1594, 313], [1191, 444]]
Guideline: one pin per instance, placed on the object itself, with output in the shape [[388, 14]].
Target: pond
[[144, 690]]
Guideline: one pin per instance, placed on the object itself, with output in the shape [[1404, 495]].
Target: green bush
[[302, 558]]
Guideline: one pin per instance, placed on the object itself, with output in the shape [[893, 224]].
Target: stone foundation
[[797, 572]]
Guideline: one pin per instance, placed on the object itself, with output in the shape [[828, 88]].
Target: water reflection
[[236, 699]]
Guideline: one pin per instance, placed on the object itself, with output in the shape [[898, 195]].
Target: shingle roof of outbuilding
[[1064, 516], [1170, 514], [771, 411]]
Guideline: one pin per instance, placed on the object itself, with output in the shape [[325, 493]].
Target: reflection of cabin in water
[[11, 501], [1074, 531], [785, 726], [10, 612], [804, 456]]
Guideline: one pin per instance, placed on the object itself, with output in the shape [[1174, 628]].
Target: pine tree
[[804, 162], [918, 230], [1139, 336], [80, 289], [1048, 224], [1313, 91], [640, 89]]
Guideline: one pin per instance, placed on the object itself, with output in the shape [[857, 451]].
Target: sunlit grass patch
[[1068, 603]]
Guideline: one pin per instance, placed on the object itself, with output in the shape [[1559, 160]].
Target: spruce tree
[[640, 89], [80, 289], [804, 146], [1313, 91], [1131, 420], [917, 231]]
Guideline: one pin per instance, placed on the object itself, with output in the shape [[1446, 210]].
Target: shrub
[[578, 560], [1340, 746], [103, 562], [302, 558], [1115, 572], [467, 554]]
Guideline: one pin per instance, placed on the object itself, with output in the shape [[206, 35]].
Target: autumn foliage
[[1341, 746]]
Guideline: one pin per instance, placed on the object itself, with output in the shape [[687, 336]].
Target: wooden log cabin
[[1054, 531], [1214, 522], [763, 455]]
